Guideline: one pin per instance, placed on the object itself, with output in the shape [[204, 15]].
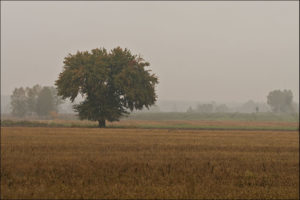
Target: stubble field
[[67, 163]]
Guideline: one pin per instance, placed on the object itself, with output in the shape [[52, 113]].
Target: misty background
[[226, 52]]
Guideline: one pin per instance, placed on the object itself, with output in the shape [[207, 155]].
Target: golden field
[[69, 163]]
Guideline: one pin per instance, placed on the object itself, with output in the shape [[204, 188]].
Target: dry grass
[[144, 163]]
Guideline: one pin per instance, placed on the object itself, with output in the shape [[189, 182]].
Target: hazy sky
[[222, 51]]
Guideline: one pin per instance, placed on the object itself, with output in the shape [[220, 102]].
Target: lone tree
[[281, 101], [111, 83]]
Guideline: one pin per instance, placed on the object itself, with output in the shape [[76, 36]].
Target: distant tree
[[295, 107], [205, 108], [45, 102], [32, 95], [281, 101], [112, 83], [57, 100], [222, 108], [189, 110], [18, 102], [257, 109], [248, 107]]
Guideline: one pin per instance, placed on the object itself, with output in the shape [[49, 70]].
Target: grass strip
[[11, 123]]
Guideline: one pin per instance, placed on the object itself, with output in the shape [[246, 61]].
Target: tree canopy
[[111, 83], [44, 102], [18, 102], [281, 101]]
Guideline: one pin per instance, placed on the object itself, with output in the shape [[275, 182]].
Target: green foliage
[[281, 101], [111, 83], [36, 100], [18, 102], [32, 95], [44, 103]]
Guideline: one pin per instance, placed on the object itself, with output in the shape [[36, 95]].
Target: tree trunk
[[101, 123]]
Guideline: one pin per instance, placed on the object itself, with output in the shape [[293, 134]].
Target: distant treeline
[[36, 101], [42, 102]]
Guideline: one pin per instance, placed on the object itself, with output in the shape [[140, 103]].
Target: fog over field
[[201, 51], [215, 115]]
